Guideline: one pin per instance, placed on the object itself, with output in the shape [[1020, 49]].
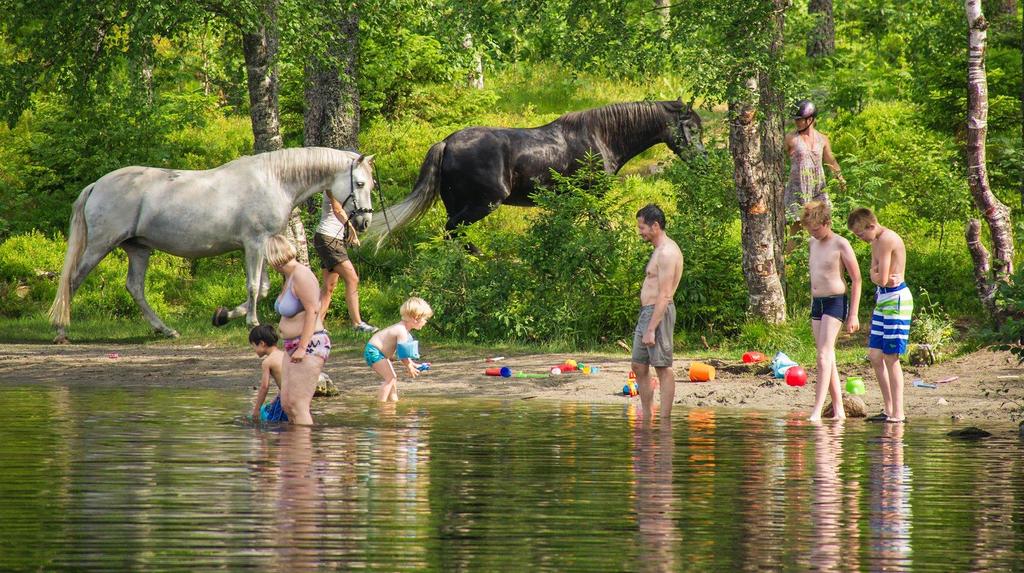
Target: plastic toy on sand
[[700, 372], [752, 357], [780, 364], [855, 385], [529, 375], [504, 372], [796, 376]]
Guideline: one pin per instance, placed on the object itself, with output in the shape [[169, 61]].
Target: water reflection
[[299, 502], [113, 480], [890, 517], [828, 502], [656, 501]]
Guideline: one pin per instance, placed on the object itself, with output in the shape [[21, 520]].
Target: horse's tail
[[78, 236], [423, 195]]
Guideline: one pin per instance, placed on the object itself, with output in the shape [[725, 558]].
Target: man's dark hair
[[651, 214], [264, 333]]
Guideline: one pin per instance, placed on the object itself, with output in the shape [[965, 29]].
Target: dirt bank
[[989, 385]]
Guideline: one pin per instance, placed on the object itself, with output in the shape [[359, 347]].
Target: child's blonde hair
[[818, 213], [279, 250], [860, 219], [416, 308]]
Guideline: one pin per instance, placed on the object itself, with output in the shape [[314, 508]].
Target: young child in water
[[397, 338], [263, 339]]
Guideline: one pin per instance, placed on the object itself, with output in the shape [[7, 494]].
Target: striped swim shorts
[[890, 323]]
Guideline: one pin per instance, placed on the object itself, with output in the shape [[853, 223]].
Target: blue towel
[[273, 412]]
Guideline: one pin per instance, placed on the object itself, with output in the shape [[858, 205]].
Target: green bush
[[712, 295], [932, 326]]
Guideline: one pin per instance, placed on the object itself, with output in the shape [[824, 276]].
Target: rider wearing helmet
[[808, 150]]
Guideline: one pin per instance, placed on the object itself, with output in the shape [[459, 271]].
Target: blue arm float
[[408, 349]]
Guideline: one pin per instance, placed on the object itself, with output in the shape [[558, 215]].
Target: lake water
[[164, 479]]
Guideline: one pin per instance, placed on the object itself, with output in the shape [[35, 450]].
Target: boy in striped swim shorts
[[894, 305]]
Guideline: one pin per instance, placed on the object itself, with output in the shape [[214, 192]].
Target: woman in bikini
[[305, 340]]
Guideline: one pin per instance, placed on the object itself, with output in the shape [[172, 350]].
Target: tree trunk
[[664, 9], [260, 51], [1002, 16], [982, 266], [766, 299], [475, 78], [773, 141], [332, 94], [823, 37], [995, 212]]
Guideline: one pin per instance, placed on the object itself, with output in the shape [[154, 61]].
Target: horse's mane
[[619, 120], [304, 166]]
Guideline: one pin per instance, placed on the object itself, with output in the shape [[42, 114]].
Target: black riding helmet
[[804, 109]]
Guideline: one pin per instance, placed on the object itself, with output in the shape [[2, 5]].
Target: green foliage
[[1010, 305], [712, 292], [393, 65], [932, 325], [581, 246], [889, 156]]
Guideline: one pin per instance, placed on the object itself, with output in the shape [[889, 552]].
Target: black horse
[[478, 168]]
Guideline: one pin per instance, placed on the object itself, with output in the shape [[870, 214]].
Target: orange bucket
[[700, 372]]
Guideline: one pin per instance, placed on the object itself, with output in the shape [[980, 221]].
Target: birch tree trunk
[[995, 212], [259, 48], [773, 136], [765, 299], [823, 37], [475, 78], [664, 9]]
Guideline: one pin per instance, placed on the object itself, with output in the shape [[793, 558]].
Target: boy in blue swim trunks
[[830, 254], [397, 338], [263, 339], [890, 323]]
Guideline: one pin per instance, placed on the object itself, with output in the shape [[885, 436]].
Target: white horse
[[202, 213]]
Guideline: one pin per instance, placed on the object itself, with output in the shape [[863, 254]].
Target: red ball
[[796, 376]]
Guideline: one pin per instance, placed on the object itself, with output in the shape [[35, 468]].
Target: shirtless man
[[652, 339], [830, 307], [894, 305]]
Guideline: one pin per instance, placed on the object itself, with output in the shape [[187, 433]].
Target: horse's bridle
[[357, 210]]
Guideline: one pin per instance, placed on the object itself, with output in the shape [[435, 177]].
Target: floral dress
[[806, 175]]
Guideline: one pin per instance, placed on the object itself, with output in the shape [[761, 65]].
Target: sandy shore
[[989, 387]]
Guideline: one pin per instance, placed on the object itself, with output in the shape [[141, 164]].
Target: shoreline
[[989, 387]]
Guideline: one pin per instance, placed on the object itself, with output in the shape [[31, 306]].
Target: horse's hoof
[[61, 339], [173, 334], [220, 316]]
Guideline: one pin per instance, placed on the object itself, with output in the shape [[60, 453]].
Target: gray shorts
[[659, 355], [331, 250]]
